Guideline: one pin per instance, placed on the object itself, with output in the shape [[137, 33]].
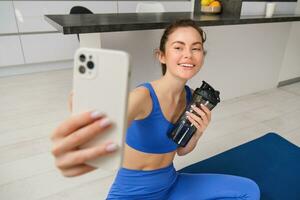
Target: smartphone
[[100, 82]]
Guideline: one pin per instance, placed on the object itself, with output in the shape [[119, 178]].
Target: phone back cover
[[106, 92]]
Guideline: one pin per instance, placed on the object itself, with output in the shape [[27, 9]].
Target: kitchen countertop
[[93, 23]]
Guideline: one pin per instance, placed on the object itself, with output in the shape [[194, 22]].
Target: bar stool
[[80, 10]]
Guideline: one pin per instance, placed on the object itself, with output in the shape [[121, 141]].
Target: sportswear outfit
[[149, 135]]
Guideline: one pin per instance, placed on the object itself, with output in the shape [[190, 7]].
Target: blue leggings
[[167, 184]]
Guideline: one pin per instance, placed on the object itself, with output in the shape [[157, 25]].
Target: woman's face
[[183, 53]]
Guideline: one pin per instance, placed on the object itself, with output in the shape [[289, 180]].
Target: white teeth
[[186, 65]]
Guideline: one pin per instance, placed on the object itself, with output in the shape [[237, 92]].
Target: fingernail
[[95, 114], [104, 122], [111, 147], [193, 106]]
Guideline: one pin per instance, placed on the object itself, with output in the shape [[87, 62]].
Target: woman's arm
[[80, 129], [138, 102], [201, 122]]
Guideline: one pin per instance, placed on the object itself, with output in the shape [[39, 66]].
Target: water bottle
[[184, 129]]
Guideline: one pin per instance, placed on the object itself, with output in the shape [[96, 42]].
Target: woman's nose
[[187, 53]]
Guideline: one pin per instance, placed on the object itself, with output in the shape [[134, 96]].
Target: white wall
[[241, 59], [244, 59], [291, 63], [140, 45]]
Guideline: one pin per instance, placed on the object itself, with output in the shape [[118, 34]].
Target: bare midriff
[[137, 160]]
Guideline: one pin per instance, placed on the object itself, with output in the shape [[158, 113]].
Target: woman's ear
[[161, 57]]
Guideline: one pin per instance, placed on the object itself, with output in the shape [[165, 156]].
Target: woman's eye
[[197, 49], [177, 48]]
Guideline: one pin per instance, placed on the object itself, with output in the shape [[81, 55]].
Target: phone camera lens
[[82, 69], [82, 58], [90, 65]]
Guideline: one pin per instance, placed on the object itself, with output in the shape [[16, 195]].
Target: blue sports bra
[[150, 135]]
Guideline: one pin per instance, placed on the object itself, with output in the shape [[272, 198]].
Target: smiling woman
[[147, 171]]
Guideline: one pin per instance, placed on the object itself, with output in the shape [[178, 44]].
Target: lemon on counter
[[206, 2]]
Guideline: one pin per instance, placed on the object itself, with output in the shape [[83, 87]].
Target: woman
[[147, 171]]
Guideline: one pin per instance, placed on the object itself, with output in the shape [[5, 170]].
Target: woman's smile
[[186, 65]]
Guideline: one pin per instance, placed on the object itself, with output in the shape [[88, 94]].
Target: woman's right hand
[[75, 132]]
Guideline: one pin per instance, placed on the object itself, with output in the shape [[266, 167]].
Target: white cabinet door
[[49, 47], [8, 22], [178, 6], [30, 14], [170, 6], [10, 51]]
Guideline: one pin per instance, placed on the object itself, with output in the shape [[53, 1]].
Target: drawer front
[[48, 47], [10, 51], [7, 18], [30, 14], [170, 6]]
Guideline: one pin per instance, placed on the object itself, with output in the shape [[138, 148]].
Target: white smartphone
[[100, 82]]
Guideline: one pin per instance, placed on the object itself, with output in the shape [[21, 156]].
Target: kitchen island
[[246, 54]]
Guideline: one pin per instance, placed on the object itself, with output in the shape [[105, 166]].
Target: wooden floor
[[32, 105]]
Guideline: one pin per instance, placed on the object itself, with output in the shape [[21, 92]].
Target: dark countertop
[[92, 23]]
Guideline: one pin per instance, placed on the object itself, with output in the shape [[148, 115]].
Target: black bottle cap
[[208, 93]]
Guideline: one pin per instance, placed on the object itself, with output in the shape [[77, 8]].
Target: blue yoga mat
[[271, 161]]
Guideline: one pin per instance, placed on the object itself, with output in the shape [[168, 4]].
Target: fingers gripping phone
[[100, 82]]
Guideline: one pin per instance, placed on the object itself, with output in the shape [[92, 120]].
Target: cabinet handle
[[19, 15]]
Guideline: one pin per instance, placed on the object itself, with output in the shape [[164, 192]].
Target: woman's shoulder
[[140, 93], [140, 103], [140, 97]]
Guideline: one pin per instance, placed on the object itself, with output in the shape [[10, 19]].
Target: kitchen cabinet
[[7, 18], [48, 47], [30, 14], [26, 37], [10, 51]]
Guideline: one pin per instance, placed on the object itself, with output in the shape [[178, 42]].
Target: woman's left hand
[[201, 120]]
